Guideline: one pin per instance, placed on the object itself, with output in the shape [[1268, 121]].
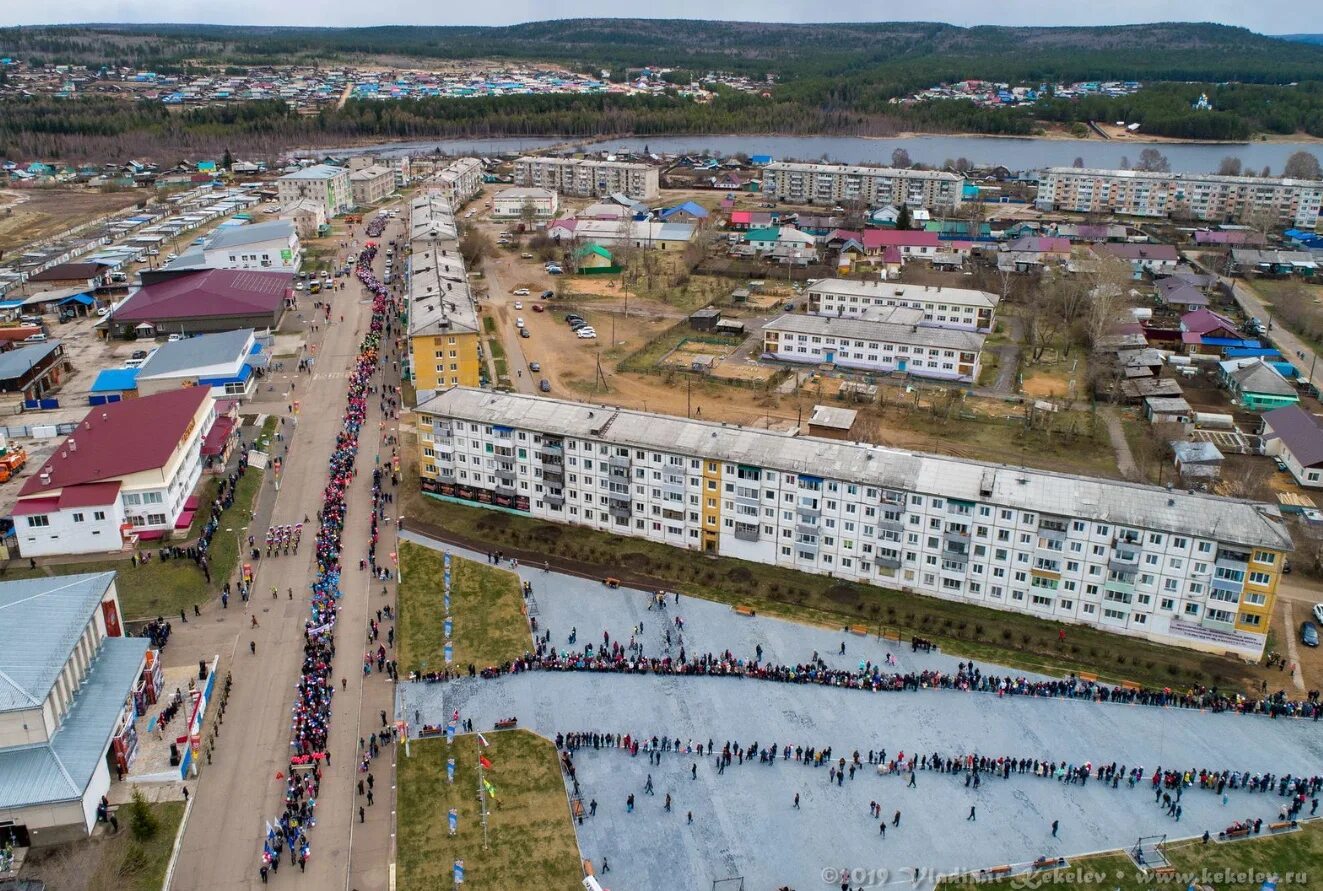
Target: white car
[[1318, 612], [586, 334], [174, 338], [520, 292], [298, 286], [519, 304], [519, 322]]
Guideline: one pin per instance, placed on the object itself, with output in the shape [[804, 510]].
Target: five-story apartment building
[[795, 183], [586, 177], [1176, 567]]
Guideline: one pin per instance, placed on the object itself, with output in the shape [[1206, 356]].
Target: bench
[[1130, 685], [1087, 676], [507, 724], [611, 582], [576, 807], [1229, 834], [889, 634], [997, 872], [588, 868], [744, 610], [1163, 871], [1282, 826], [859, 629]]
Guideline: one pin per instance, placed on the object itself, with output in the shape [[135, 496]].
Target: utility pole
[[688, 397]]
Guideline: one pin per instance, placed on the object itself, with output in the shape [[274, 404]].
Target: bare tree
[[1078, 162], [1042, 323], [1230, 166], [1125, 162], [1302, 165], [963, 165], [1153, 161], [901, 158]]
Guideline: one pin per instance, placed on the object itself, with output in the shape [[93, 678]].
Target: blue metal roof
[[42, 620], [62, 769], [115, 380], [78, 298]]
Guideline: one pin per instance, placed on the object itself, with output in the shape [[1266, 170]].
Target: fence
[[37, 431]]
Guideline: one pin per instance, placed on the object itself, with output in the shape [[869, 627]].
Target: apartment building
[[795, 183], [459, 181], [586, 178], [1176, 567], [327, 185], [371, 184], [1220, 199], [881, 339], [444, 338], [942, 307]]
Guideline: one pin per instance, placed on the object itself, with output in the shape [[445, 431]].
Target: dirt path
[[1125, 459]]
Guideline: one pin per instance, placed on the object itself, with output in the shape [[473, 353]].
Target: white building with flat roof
[[894, 339], [371, 185], [1172, 566], [273, 245], [792, 182], [510, 203], [459, 181], [942, 307]]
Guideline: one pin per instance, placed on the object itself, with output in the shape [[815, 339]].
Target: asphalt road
[[239, 791]]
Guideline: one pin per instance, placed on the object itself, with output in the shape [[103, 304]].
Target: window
[[78, 517], [98, 515], [37, 521]]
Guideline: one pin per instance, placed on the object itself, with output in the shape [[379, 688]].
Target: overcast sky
[[1266, 16]]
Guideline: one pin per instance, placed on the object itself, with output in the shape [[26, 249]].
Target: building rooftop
[[193, 353], [440, 300], [1161, 252], [1299, 431], [1108, 501], [61, 769], [316, 172], [118, 439], [862, 170], [832, 417], [207, 293], [1188, 177], [867, 329], [113, 380], [523, 193], [583, 162], [254, 233], [43, 617], [1261, 378], [895, 291], [18, 362], [65, 272]]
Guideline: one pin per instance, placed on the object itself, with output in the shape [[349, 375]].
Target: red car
[[537, 307]]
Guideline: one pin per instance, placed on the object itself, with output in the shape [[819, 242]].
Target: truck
[[11, 463]]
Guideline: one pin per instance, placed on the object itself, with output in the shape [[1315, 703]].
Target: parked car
[[519, 304], [585, 333], [547, 295], [1309, 634], [571, 318], [544, 385], [298, 286], [555, 270], [36, 338], [537, 366], [519, 321], [520, 292], [525, 256], [537, 307], [1318, 613], [174, 338], [578, 324], [523, 332], [139, 354]]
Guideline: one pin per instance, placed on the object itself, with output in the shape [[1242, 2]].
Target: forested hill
[[903, 55]]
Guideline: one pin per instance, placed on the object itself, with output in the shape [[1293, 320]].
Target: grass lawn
[[1006, 638], [530, 839], [486, 604], [129, 865], [163, 588], [1243, 865]]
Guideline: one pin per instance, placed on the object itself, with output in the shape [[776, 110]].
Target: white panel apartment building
[[327, 185], [796, 183], [942, 307], [459, 181], [1289, 202], [585, 178], [1179, 568], [886, 340]]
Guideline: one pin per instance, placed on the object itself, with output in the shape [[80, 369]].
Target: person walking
[[796, 805], [970, 818], [262, 872], [911, 783], [895, 821], [362, 814], [1054, 828]]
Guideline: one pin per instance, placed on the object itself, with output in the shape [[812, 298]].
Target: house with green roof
[[593, 259]]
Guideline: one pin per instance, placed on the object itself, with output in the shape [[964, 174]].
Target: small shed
[[1167, 410], [705, 319], [1199, 460], [831, 422], [732, 327]]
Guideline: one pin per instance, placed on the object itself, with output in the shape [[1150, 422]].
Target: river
[[1016, 154]]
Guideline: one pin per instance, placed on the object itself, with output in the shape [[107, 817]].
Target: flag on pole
[[491, 790], [450, 770], [454, 821], [483, 740], [459, 872], [486, 765]]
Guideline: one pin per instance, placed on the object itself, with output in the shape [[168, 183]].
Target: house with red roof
[[203, 301], [126, 473], [911, 243]]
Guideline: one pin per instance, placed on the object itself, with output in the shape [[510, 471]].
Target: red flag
[[486, 765]]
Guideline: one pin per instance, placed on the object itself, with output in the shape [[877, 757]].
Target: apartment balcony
[[1213, 624], [888, 562], [503, 452], [746, 499], [1051, 545], [618, 461], [620, 473], [1119, 587], [553, 474], [502, 489], [807, 544], [811, 513], [551, 456], [445, 474], [1123, 562], [506, 475], [890, 525], [616, 510], [557, 500], [1234, 560], [956, 537], [1052, 531], [442, 431], [806, 529], [746, 532]]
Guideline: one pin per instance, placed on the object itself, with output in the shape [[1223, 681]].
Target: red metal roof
[[879, 238], [207, 293], [120, 438], [89, 495], [214, 443]]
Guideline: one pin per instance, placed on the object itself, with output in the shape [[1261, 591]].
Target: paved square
[[743, 820]]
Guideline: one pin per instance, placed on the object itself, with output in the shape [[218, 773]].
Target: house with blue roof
[[67, 705], [688, 212]]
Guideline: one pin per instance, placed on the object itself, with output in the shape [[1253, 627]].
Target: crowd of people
[[872, 677], [311, 711]]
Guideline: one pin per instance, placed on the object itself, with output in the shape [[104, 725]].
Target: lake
[[1016, 154]]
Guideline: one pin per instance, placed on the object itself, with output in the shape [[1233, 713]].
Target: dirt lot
[[31, 215]]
